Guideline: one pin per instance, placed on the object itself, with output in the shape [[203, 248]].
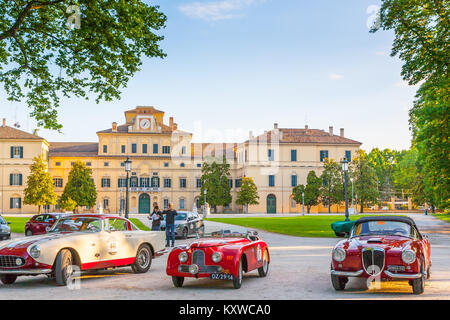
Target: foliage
[[40, 188], [67, 204], [80, 186], [332, 188], [422, 34], [384, 163], [248, 194], [42, 59], [215, 181], [364, 179], [311, 191]]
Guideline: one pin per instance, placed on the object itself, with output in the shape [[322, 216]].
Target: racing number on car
[[112, 246]]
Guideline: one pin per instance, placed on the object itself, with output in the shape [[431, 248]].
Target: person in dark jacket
[[170, 214], [156, 217]]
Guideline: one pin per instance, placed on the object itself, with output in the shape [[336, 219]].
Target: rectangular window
[[144, 148], [134, 182], [105, 148], [106, 164], [348, 155], [133, 148], [57, 164], [15, 179], [145, 182], [294, 180], [166, 203], [182, 203], [293, 155], [182, 165], [323, 155], [122, 148], [166, 149], [167, 183], [155, 148], [105, 203], [15, 203], [199, 183], [88, 164], [271, 155], [238, 183], [58, 182], [16, 152], [122, 182], [183, 183], [183, 150], [199, 165], [230, 183], [271, 181], [106, 182], [166, 164]]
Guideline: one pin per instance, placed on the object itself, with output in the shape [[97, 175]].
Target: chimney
[[114, 127], [306, 126], [171, 122], [4, 122], [330, 130], [175, 126], [342, 132], [250, 135], [275, 126]]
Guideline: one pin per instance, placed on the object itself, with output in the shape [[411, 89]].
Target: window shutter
[[20, 179], [10, 203], [21, 152], [10, 179], [12, 152], [20, 203]]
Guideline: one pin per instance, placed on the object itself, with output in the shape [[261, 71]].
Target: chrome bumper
[[347, 273], [405, 276], [26, 271]]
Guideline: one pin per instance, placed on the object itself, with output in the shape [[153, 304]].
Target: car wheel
[[8, 278], [418, 285], [338, 282], [29, 233], [184, 235], [143, 260], [265, 267], [178, 281], [237, 280], [63, 267]]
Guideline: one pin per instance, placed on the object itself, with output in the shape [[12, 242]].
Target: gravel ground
[[299, 270]]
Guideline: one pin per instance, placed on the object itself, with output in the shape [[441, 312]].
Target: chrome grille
[[373, 260], [198, 258], [10, 261]]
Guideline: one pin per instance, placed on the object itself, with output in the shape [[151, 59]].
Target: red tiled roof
[[13, 133]]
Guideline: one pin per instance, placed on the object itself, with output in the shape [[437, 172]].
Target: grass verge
[[443, 216]]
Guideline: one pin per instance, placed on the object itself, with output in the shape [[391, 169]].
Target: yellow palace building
[[166, 164]]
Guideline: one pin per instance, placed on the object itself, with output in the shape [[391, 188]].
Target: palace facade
[[166, 164]]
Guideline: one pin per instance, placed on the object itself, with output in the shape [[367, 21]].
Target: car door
[[48, 222], [117, 247], [39, 225]]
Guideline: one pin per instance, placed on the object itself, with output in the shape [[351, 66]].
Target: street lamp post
[[345, 169], [204, 193], [127, 169], [353, 207], [303, 203]]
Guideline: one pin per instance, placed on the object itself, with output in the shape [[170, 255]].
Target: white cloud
[[335, 76], [216, 10]]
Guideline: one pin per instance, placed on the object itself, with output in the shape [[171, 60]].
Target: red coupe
[[39, 224], [224, 255], [382, 248]]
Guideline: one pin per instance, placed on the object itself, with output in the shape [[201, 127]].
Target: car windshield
[[237, 232], [77, 224], [2, 220], [382, 228]]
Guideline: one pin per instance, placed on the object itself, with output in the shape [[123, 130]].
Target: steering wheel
[[399, 230]]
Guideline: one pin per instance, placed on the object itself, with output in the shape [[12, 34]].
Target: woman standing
[[156, 217]]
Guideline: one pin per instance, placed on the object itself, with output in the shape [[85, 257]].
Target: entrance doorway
[[271, 204], [144, 203]]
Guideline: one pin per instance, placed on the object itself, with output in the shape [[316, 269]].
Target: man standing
[[170, 224]]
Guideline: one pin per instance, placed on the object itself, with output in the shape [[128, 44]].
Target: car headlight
[[18, 261], [339, 254], [35, 252], [183, 256], [216, 257], [408, 256], [193, 269]]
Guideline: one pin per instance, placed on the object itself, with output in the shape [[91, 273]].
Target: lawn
[[18, 224], [443, 216], [305, 226]]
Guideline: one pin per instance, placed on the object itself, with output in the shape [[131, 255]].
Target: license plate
[[396, 268], [221, 276]]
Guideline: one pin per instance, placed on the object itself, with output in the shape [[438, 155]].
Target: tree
[[215, 181], [384, 163], [311, 191], [248, 193], [40, 190], [364, 179], [332, 188], [421, 41], [80, 187], [67, 204], [42, 59]]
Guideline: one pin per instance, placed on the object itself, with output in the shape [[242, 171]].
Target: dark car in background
[[186, 223], [38, 224], [5, 230]]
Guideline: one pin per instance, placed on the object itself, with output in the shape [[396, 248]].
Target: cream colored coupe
[[88, 241]]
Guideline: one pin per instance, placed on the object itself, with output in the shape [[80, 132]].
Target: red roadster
[[382, 248], [224, 255]]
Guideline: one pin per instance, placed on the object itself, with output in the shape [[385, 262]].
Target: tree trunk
[[308, 208], [329, 206], [246, 210], [362, 208], [39, 209]]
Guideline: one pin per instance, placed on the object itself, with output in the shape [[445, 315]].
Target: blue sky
[[239, 65]]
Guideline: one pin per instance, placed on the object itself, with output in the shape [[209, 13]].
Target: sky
[[238, 65]]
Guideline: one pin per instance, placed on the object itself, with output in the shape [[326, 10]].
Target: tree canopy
[[80, 187], [311, 191], [41, 59], [332, 188], [215, 181], [248, 194]]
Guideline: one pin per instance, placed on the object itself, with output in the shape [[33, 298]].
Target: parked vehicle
[[5, 230], [39, 223], [88, 241], [383, 248], [224, 255], [186, 223]]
